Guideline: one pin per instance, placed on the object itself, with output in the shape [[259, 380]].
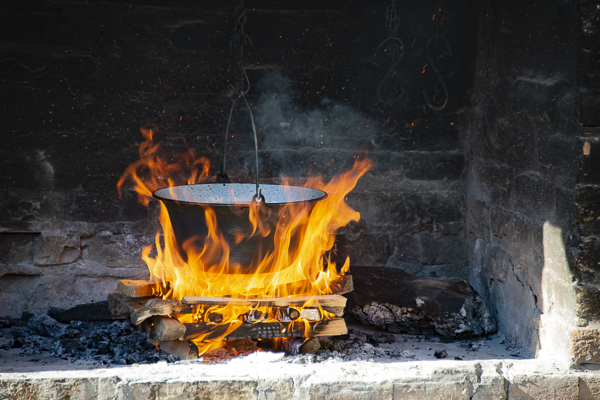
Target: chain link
[[396, 46], [392, 22]]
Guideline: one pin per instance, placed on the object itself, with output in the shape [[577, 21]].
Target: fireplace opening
[[428, 169]]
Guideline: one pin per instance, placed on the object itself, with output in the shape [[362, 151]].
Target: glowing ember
[[297, 264]]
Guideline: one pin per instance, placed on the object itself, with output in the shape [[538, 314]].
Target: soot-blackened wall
[[80, 78], [532, 198]]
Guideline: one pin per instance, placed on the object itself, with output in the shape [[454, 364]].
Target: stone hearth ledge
[[267, 375]]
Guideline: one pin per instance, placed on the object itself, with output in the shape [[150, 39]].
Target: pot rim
[[157, 196]]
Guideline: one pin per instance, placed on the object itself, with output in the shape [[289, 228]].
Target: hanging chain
[[392, 22], [236, 48], [396, 46], [439, 99], [238, 41]]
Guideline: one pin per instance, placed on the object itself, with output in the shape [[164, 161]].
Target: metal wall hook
[[440, 81], [390, 72]]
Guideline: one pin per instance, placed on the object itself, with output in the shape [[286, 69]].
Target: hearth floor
[[476, 369]]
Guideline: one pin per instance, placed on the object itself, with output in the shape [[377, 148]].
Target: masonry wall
[[80, 78], [531, 186]]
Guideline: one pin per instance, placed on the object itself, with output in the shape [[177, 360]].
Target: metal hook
[[439, 76], [390, 72]]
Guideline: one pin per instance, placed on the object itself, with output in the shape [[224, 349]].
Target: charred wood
[[402, 303], [267, 330], [286, 314], [159, 307], [84, 312], [119, 304]]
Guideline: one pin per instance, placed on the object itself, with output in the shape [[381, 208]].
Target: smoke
[[325, 126]]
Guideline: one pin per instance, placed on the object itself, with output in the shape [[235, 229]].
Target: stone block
[[58, 248], [586, 260], [585, 346], [542, 388], [490, 387], [363, 248], [408, 211], [350, 391], [18, 248], [588, 301], [173, 389], [589, 387], [433, 390]]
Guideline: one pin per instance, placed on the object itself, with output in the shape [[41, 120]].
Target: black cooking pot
[[231, 202]]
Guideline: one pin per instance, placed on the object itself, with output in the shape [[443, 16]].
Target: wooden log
[[340, 286], [133, 288], [329, 327], [159, 307], [281, 314], [268, 330], [310, 314], [182, 350], [286, 314], [166, 329], [343, 285], [119, 304], [332, 303]]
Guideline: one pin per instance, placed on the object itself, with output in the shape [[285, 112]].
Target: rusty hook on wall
[[399, 43]]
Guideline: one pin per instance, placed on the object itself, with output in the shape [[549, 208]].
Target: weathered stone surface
[[589, 387], [536, 387], [349, 391], [585, 346], [588, 301], [430, 390], [490, 386], [57, 248]]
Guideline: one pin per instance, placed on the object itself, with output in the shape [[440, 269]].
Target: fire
[[298, 267]]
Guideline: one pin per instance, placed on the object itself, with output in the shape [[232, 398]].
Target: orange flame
[[301, 268]]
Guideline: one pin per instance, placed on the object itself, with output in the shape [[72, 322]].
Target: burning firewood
[[286, 314], [132, 288], [153, 315], [166, 329], [265, 330], [332, 303], [120, 304], [159, 307], [311, 314]]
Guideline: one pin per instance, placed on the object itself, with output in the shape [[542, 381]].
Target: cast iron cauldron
[[231, 204]]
